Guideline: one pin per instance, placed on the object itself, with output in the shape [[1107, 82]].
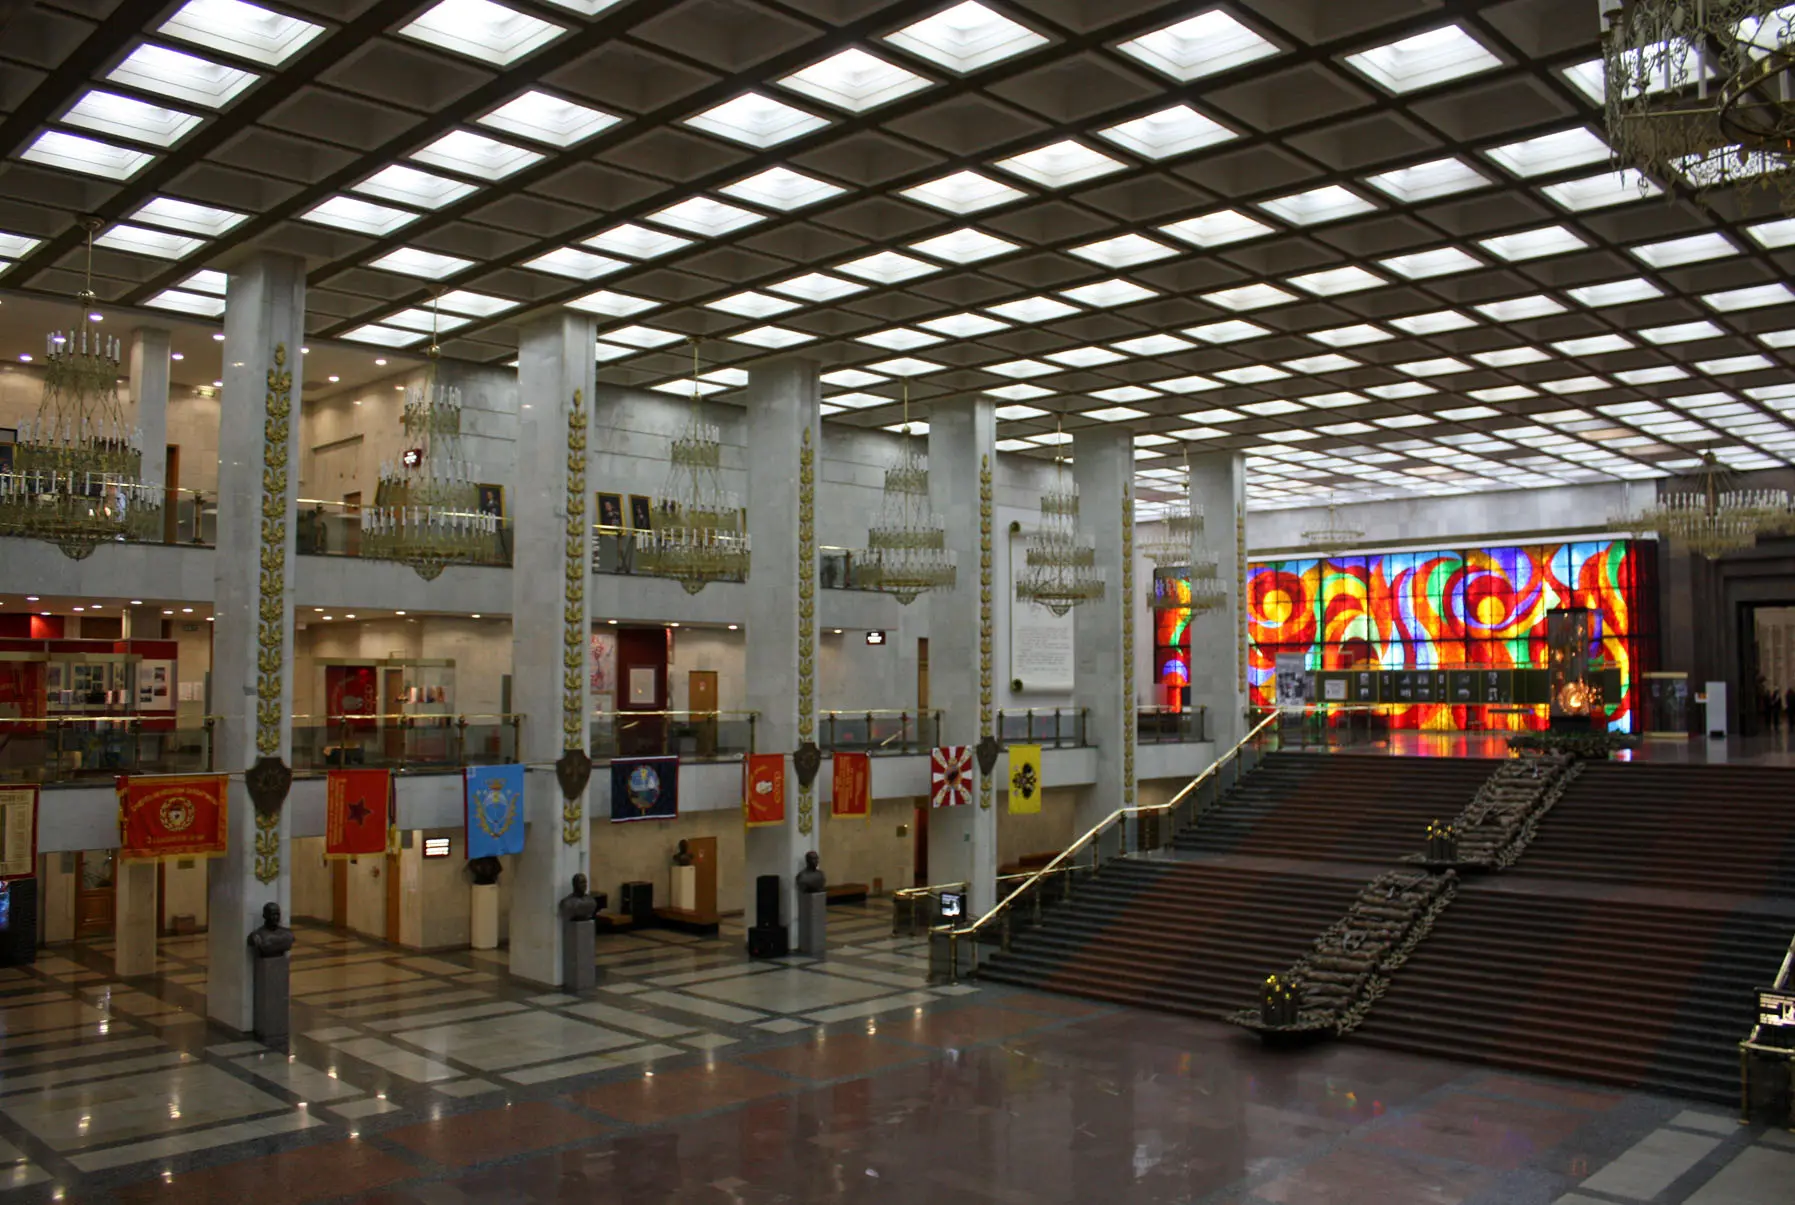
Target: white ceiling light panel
[[183, 302], [1680, 332], [1350, 336], [1033, 309], [817, 286], [963, 192], [854, 80], [541, 117], [384, 336], [964, 246], [363, 217], [771, 336], [1425, 181], [1178, 130], [1198, 46], [1533, 244], [899, 338], [1153, 345], [1329, 203], [1517, 309], [575, 264], [1751, 298], [244, 31], [207, 220], [127, 117], [966, 37], [1085, 357], [142, 241], [1061, 164], [17, 246], [1424, 60], [1106, 293], [611, 305], [1602, 191], [642, 336], [1614, 292], [637, 242], [89, 156], [703, 216], [173, 73], [1232, 330], [906, 366], [1333, 282], [482, 30], [1551, 153], [1509, 357], [757, 120], [1248, 297], [1692, 249], [1124, 251], [1217, 229], [477, 305], [429, 322], [886, 267], [476, 155], [964, 325], [782, 189], [408, 186], [1021, 370]]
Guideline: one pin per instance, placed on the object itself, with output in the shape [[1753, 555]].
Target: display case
[[89, 683], [1666, 700]]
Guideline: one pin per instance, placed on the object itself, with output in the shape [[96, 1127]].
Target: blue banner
[[644, 788], [495, 810]]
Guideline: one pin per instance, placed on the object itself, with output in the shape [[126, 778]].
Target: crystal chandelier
[[1334, 535], [1061, 571], [426, 511], [1713, 520], [76, 479], [1178, 532], [1178, 544], [906, 552], [700, 532], [1700, 89], [1204, 588]]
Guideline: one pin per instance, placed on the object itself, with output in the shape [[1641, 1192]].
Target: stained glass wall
[[1471, 608], [1171, 630]]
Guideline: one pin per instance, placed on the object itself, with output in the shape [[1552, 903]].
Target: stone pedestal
[[483, 916], [685, 888], [813, 923], [270, 990], [579, 958], [134, 918]]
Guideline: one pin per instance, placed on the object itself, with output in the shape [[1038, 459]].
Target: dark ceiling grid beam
[[111, 35]]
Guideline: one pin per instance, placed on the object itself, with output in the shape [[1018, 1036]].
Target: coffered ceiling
[[1378, 246]]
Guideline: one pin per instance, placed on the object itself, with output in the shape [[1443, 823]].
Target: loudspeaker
[[766, 901], [18, 922], [767, 942], [638, 901]]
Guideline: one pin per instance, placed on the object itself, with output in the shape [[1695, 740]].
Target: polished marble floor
[[694, 1075]]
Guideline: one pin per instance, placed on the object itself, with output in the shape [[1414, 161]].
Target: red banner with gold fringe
[[357, 812], [172, 816], [851, 787], [763, 789]]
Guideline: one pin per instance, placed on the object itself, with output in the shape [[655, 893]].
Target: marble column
[[134, 918], [149, 386], [1218, 638], [962, 457], [1103, 631], [784, 449], [258, 476], [550, 624]]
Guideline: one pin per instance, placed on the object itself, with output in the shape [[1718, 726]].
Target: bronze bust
[[581, 905], [810, 879], [271, 940], [683, 857]]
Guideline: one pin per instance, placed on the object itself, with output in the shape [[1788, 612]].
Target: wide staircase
[[1340, 807]]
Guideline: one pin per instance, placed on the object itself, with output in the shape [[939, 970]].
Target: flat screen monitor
[[953, 905]]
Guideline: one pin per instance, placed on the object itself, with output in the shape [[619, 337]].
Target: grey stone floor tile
[[1652, 1164]]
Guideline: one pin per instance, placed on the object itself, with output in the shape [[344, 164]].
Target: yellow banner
[[1025, 780]]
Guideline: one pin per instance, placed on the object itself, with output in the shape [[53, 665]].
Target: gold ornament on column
[[574, 770], [1240, 608], [269, 779], [806, 623], [985, 727]]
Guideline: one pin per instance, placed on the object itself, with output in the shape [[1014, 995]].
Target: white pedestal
[[483, 918], [685, 888]]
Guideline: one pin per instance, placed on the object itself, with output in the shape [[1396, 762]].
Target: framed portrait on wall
[[641, 513], [491, 500], [642, 682], [610, 510]]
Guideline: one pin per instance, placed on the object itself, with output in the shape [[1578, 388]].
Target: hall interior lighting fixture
[[770, 336], [1332, 282], [409, 186], [1104, 294], [964, 246], [89, 156], [542, 117], [887, 267], [1424, 60], [1124, 251], [482, 30], [16, 246], [906, 553], [1349, 336], [1601, 191], [1061, 164], [1231, 330], [1198, 46], [1216, 229], [1251, 374], [854, 80], [414, 318], [1425, 265], [783, 189], [757, 120], [1752, 297], [900, 338], [476, 305], [636, 242], [1517, 309], [415, 261], [611, 304], [1021, 370], [1509, 357], [572, 263], [1549, 154], [1433, 323], [699, 532], [244, 31], [1015, 412], [963, 192], [1019, 392], [129, 118], [636, 335], [850, 378], [183, 302], [1248, 297], [1060, 570], [1153, 345], [963, 325], [1114, 414], [382, 336], [1085, 357], [426, 511], [966, 37], [1651, 376], [751, 304], [906, 366], [173, 73], [1593, 345], [1178, 130], [1691, 249], [1439, 366], [141, 240], [362, 217], [1032, 309], [1317, 365], [1426, 181], [476, 155], [1713, 518], [817, 286], [1614, 292], [1328, 203], [76, 477], [703, 216], [1773, 235]]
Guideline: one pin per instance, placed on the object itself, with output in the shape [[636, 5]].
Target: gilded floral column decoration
[[574, 770], [1128, 716], [270, 778], [1240, 596], [806, 633], [986, 735]]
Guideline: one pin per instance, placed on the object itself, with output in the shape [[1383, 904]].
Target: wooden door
[[704, 861], [96, 892], [339, 892], [922, 675], [352, 523], [641, 688], [392, 698], [392, 898], [701, 697], [919, 846], [171, 494]]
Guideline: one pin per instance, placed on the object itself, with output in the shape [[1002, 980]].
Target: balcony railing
[[417, 743], [1058, 727], [73, 748], [691, 735], [878, 732], [334, 529], [1171, 726]]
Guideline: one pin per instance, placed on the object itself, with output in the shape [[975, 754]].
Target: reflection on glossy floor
[[693, 1075], [1775, 748]]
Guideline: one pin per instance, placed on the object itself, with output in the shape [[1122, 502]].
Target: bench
[[846, 893]]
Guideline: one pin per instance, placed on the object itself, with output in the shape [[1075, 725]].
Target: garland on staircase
[[1502, 818], [1331, 989]]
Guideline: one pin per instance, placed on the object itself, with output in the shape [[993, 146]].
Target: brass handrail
[[1115, 817], [624, 714], [1751, 1045]]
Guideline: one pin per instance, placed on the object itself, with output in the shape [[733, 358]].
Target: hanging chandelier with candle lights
[[1714, 519], [76, 476], [1060, 570], [906, 553], [1335, 535], [1177, 545], [699, 533], [1700, 89], [426, 511]]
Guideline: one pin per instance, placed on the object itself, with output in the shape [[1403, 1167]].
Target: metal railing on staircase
[[1780, 1048], [954, 948]]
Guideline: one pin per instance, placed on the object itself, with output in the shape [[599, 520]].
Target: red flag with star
[[358, 812]]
